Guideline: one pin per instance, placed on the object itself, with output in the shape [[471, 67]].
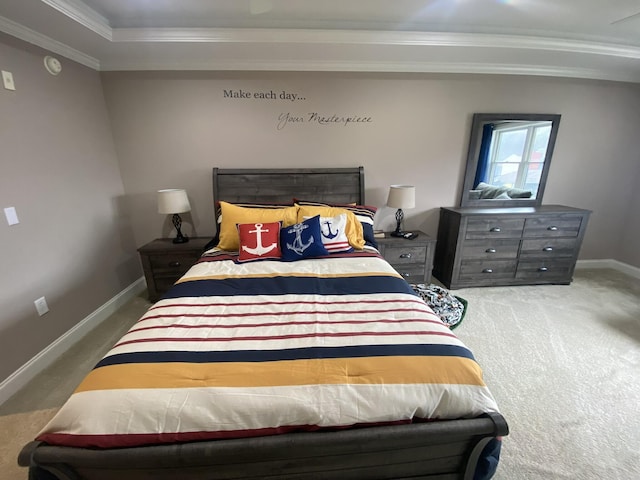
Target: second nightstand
[[413, 259], [164, 262]]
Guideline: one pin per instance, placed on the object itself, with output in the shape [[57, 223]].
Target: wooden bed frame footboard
[[442, 450]]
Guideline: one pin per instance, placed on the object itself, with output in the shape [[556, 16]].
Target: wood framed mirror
[[509, 158]]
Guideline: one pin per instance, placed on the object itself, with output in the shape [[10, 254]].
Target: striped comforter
[[237, 350]]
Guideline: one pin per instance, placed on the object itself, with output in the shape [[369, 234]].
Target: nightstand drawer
[[413, 259], [167, 264], [397, 255], [163, 284], [411, 273]]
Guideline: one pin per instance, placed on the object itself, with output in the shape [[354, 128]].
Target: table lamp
[[401, 196], [174, 201]]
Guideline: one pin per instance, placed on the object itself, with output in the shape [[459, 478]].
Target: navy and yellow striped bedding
[[236, 350]]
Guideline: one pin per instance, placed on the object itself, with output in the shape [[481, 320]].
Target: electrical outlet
[[7, 80], [41, 306]]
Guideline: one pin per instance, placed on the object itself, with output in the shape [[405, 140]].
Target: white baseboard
[[610, 263], [29, 370]]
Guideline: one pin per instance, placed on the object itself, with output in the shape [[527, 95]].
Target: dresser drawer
[[494, 227], [549, 247], [404, 254], [488, 249], [176, 264], [487, 270], [537, 270], [552, 226]]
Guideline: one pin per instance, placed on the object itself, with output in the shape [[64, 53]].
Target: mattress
[[269, 347]]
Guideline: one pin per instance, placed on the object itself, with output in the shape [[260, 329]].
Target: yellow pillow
[[354, 230], [233, 215]]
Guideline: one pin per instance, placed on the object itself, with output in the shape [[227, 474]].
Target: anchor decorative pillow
[[334, 236], [259, 241], [302, 240]]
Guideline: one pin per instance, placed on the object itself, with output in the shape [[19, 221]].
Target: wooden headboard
[[281, 185]]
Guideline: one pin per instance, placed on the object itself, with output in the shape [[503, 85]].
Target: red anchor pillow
[[302, 240], [259, 241]]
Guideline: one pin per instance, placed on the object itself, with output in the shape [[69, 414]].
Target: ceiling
[[598, 39]]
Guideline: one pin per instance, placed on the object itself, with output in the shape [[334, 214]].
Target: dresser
[[508, 246], [164, 262], [413, 259]]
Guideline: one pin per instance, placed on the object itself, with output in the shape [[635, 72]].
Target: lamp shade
[[173, 200], [402, 196]]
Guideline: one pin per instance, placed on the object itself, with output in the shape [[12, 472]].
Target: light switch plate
[[7, 80], [12, 216], [41, 306]]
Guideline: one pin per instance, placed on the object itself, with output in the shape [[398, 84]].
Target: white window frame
[[523, 164]]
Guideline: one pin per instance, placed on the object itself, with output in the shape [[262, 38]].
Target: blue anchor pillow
[[302, 240]]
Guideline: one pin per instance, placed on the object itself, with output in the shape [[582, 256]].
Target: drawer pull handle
[[490, 250], [547, 249], [543, 269], [174, 264], [405, 255], [552, 228], [487, 270], [405, 274], [495, 229]]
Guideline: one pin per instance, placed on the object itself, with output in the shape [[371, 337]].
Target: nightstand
[[164, 262], [413, 259]]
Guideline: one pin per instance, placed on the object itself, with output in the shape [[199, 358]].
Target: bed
[[326, 366]]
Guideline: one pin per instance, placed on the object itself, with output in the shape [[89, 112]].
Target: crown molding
[[30, 36], [83, 14], [12, 28], [368, 37], [377, 67]]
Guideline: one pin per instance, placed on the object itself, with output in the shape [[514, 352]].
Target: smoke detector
[[53, 65]]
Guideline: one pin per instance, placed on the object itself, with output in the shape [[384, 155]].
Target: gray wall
[[74, 243], [170, 128]]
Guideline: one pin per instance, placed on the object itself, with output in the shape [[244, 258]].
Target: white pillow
[[334, 237]]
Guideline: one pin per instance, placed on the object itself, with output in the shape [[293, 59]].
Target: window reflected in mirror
[[514, 155], [509, 156]]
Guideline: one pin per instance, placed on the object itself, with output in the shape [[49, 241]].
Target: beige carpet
[[562, 361], [564, 365], [17, 430]]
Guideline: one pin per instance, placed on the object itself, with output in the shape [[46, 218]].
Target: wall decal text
[[262, 95], [288, 118], [316, 118]]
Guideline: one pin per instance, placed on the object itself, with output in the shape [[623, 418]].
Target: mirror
[[508, 160]]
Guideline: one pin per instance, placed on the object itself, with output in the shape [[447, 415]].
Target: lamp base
[[398, 231], [177, 222]]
